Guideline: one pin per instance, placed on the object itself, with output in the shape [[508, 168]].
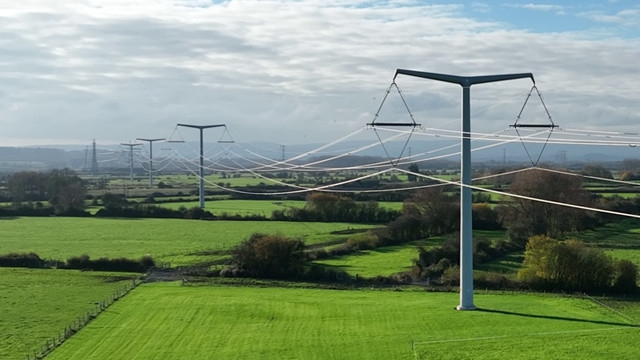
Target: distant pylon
[[94, 159]]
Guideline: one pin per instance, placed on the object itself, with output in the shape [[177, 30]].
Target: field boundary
[[481, 338], [82, 321], [633, 321]]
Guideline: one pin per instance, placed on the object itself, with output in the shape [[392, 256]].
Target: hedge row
[[83, 262]]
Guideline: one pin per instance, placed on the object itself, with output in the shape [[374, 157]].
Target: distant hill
[[443, 154]]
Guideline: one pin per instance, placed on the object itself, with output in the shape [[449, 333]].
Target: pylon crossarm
[[374, 123], [551, 126]]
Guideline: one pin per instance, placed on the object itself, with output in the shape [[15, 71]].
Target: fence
[[79, 323]]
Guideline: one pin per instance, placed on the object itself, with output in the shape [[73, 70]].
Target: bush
[[29, 260], [366, 241], [626, 276], [565, 265], [83, 262], [269, 256]]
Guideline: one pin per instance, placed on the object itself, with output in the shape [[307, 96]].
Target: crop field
[[170, 321], [167, 240], [37, 304]]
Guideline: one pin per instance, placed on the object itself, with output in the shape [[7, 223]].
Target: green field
[[238, 207], [38, 304], [632, 255], [621, 234], [383, 261], [253, 207], [237, 322], [180, 242]]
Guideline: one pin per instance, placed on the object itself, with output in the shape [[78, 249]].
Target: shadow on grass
[[563, 318]]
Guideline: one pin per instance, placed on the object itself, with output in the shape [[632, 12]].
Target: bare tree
[[544, 218]]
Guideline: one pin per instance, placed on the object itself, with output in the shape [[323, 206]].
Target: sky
[[306, 71]]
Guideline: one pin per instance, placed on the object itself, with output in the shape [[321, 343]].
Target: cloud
[[626, 17], [542, 7], [288, 72], [558, 9]]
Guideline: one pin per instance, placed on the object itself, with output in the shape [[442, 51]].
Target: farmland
[[206, 319], [242, 322], [38, 304], [167, 240]]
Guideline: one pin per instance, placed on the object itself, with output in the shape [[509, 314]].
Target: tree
[[596, 170], [113, 201], [544, 218], [66, 190], [626, 277], [630, 165], [566, 265], [414, 169], [439, 212], [27, 186]]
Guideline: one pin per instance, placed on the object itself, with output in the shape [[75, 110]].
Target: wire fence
[[55, 341]]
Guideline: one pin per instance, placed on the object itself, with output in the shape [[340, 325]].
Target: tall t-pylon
[[131, 146], [466, 235], [201, 128], [151, 157]]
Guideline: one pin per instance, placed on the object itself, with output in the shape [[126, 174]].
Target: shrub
[[29, 260], [269, 256], [565, 265], [366, 241], [83, 262], [626, 276]]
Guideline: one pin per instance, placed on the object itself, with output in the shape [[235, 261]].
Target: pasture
[[180, 242], [38, 304], [383, 261], [240, 322]]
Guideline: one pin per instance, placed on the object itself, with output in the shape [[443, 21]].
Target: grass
[[180, 242], [632, 255], [39, 304], [620, 234], [507, 265], [390, 260], [383, 261], [251, 207], [240, 207], [167, 321]]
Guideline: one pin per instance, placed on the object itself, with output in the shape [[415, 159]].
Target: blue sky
[[303, 71], [618, 18]]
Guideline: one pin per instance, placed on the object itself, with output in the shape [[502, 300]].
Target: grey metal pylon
[[131, 146], [150, 157], [466, 235], [201, 128]]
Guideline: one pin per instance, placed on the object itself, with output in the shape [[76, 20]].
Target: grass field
[[223, 322], [253, 207], [383, 261], [167, 240], [38, 304], [621, 234], [632, 255], [239, 207]]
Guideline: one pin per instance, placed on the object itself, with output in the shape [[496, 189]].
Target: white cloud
[[542, 7], [304, 71], [627, 17]]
